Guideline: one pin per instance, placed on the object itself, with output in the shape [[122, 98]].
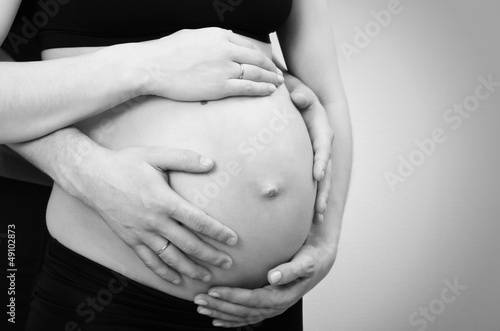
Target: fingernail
[[217, 323], [322, 174], [279, 71], [275, 277], [272, 88], [201, 302], [232, 241], [206, 278], [214, 294], [206, 161], [205, 311], [281, 79], [176, 281]]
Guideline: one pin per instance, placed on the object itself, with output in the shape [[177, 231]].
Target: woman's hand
[[234, 307], [321, 135], [129, 189], [202, 64]]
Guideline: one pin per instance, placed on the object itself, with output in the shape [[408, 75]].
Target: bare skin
[[311, 254], [279, 199]]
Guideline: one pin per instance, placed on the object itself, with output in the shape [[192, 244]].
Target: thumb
[[300, 267], [177, 159], [301, 99], [301, 95]]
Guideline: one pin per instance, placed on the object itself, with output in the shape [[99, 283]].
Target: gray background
[[399, 247]]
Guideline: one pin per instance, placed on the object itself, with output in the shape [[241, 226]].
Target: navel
[[270, 190]]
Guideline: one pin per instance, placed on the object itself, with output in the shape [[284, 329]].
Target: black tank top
[[79, 23]]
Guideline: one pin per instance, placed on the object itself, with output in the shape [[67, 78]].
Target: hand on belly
[[268, 202], [262, 186]]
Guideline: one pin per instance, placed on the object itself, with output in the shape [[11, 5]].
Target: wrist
[[119, 64], [326, 235], [140, 70], [73, 167]]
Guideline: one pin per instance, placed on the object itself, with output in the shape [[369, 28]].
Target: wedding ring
[[242, 71], [163, 248]]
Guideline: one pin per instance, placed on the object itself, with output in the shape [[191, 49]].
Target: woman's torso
[[262, 186]]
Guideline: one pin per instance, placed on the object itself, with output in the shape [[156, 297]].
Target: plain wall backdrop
[[421, 252]]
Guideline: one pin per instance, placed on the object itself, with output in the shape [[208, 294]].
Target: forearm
[[60, 155], [309, 49], [310, 53], [38, 98]]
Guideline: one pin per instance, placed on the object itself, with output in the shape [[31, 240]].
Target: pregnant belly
[[262, 186]]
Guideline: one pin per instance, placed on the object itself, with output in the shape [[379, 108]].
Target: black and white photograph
[[250, 165]]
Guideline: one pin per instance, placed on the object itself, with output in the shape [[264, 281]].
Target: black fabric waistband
[[75, 293]]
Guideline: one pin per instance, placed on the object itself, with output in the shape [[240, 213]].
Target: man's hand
[[129, 189], [234, 307], [321, 134]]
